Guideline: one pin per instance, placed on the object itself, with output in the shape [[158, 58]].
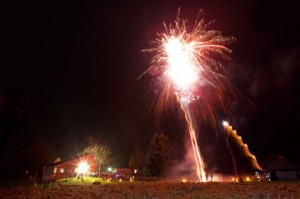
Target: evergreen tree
[[158, 155]]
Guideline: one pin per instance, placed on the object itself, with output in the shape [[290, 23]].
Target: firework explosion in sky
[[75, 67], [187, 63]]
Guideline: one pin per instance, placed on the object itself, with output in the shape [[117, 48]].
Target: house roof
[[278, 162], [59, 161]]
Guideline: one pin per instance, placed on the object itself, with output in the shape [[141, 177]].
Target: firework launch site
[[150, 99]]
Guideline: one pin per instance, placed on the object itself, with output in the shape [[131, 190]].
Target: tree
[[137, 159], [18, 135], [100, 151], [158, 155]]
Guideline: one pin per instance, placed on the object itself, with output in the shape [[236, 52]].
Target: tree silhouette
[[18, 135], [158, 155]]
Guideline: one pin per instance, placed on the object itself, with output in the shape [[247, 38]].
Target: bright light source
[[182, 71], [83, 167], [183, 180], [225, 123], [109, 169]]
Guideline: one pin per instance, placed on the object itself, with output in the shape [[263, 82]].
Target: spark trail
[[186, 63], [196, 150], [244, 147]]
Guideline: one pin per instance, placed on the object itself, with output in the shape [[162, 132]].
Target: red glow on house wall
[[66, 169]]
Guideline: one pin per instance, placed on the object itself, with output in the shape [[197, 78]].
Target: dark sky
[[79, 61]]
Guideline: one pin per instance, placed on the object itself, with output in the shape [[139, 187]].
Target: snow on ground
[[160, 189]]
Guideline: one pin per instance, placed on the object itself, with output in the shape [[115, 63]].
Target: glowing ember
[[225, 123]]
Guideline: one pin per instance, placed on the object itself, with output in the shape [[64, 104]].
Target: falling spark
[[230, 132], [186, 63]]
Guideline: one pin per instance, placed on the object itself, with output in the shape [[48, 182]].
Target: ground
[[154, 190]]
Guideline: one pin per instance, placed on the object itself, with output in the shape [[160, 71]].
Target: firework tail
[[196, 150], [232, 133]]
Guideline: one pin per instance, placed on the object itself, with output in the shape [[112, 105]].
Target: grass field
[[86, 181], [74, 188]]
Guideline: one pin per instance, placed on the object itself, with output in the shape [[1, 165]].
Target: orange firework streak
[[238, 139]]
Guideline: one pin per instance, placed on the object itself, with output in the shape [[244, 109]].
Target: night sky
[[79, 62]]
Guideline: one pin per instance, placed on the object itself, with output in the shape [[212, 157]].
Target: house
[[281, 169], [83, 164]]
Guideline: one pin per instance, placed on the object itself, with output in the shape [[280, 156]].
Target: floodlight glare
[[83, 167]]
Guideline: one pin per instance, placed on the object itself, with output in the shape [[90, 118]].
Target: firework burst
[[186, 61]]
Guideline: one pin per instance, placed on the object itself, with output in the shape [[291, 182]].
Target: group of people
[[267, 176]]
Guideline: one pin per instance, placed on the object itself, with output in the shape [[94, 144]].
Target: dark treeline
[[22, 150]]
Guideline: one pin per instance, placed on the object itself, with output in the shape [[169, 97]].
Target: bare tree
[[99, 150]]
